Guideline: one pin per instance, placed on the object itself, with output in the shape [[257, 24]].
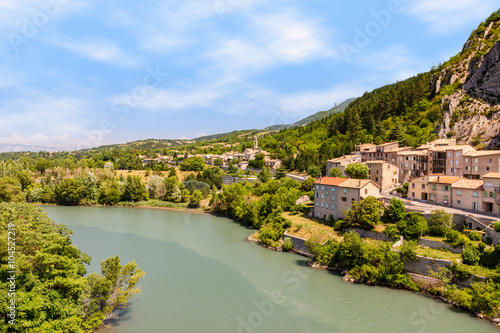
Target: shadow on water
[[117, 317], [302, 262]]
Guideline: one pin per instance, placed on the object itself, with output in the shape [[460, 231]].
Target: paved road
[[428, 206]]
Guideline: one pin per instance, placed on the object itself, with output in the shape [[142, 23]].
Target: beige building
[[411, 163], [467, 194], [491, 194], [479, 163], [418, 187], [342, 162], [333, 196], [440, 189], [383, 174], [448, 160]]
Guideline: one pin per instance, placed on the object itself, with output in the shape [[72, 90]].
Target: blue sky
[[81, 73]]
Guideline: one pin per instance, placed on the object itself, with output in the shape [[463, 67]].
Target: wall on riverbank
[[439, 245], [299, 245], [424, 265], [372, 235], [495, 236]]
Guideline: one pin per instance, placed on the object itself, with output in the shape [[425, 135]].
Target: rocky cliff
[[471, 85]]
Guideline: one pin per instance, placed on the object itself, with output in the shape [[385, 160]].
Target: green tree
[[69, 193], [195, 199], [357, 171], [408, 250], [156, 187], [193, 164], [336, 172], [135, 189], [308, 184], [25, 179], [109, 193], [280, 172], [395, 211], [258, 162], [414, 226], [440, 222], [365, 214], [10, 190], [265, 175]]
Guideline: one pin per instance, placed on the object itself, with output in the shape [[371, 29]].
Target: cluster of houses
[[440, 172], [223, 159]]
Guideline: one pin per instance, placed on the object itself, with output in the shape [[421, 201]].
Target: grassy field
[[309, 228]]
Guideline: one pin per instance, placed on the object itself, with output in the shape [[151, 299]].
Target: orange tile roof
[[334, 181], [469, 183], [344, 158], [482, 153], [446, 180], [492, 175]]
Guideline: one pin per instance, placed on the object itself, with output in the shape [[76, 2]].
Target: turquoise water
[[202, 275]]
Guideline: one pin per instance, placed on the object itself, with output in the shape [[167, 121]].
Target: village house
[[479, 163], [333, 196], [341, 163], [466, 194], [418, 187], [491, 194], [383, 174], [440, 189]]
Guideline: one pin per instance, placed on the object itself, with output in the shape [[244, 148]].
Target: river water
[[202, 275]]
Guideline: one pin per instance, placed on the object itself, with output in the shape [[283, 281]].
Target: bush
[[496, 226], [391, 231], [395, 212], [456, 239], [440, 222], [288, 245], [340, 225], [471, 255], [408, 251], [414, 226], [475, 236]]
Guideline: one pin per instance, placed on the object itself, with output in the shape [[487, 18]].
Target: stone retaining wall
[[439, 245], [299, 244], [373, 235], [494, 235], [423, 265]]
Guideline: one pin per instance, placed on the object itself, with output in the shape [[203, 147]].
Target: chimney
[[439, 178], [360, 183], [320, 179]]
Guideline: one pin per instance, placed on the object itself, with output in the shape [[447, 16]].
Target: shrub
[[408, 251], [395, 212], [288, 245], [391, 231], [414, 226], [456, 238], [474, 236], [440, 222], [496, 226], [471, 255]]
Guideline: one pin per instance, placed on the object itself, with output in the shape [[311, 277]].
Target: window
[[449, 154], [317, 203], [455, 170], [457, 162], [326, 206], [457, 154], [451, 169], [345, 190], [322, 188], [487, 168], [474, 194], [366, 191], [459, 202], [476, 160], [333, 197], [446, 188], [413, 194], [395, 172], [475, 168], [467, 168], [317, 187], [459, 192], [489, 160], [466, 160], [412, 185], [474, 205], [352, 200], [327, 192], [434, 187], [322, 205], [344, 199], [406, 165], [423, 186], [445, 199], [333, 189], [322, 196], [333, 207], [451, 162]]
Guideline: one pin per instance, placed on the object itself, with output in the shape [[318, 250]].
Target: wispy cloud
[[445, 16], [100, 50]]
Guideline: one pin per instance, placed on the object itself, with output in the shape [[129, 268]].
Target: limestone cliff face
[[471, 109], [484, 80]]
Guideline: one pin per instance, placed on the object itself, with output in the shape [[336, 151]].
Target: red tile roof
[[446, 180], [334, 181]]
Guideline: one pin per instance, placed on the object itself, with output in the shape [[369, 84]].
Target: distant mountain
[[14, 147], [317, 116]]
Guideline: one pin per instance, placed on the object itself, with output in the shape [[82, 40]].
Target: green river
[[202, 275]]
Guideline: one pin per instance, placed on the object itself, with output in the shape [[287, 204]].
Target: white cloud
[[100, 50], [36, 140], [197, 135], [445, 16], [271, 40]]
